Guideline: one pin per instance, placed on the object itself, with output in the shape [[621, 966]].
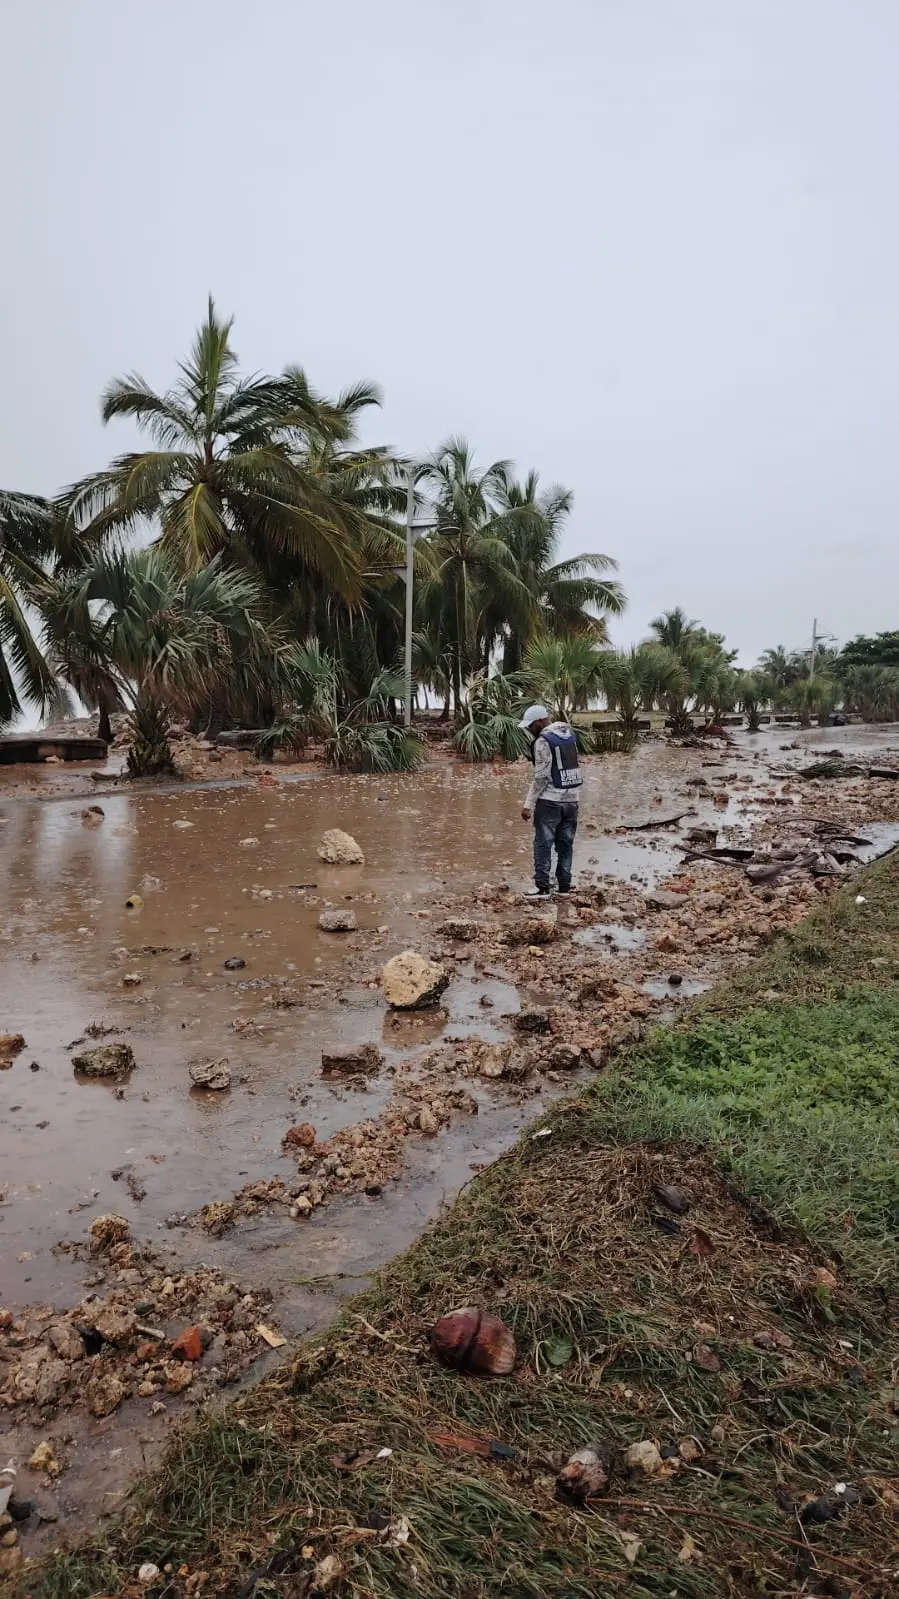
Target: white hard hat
[[534, 713]]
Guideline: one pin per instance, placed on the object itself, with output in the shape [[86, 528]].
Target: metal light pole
[[410, 545], [414, 531]]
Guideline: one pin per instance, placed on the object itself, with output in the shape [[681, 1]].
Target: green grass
[[799, 1102], [773, 1105]]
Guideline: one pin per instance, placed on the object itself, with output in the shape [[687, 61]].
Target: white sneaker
[[537, 893]]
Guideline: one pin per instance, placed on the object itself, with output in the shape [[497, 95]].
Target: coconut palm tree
[[813, 697], [675, 630], [752, 692], [27, 556], [872, 692], [235, 469], [473, 568], [780, 668], [569, 593], [170, 639], [635, 679], [566, 673], [705, 679]]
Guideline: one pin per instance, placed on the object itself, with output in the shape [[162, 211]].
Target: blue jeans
[[554, 824]]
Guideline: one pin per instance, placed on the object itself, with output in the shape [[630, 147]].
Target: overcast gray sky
[[650, 247]]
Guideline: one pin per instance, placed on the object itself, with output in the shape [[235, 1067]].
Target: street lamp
[[415, 529]]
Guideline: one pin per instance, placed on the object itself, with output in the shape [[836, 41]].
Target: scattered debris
[[657, 821], [188, 1345], [340, 849], [531, 1019], [212, 1074], [301, 1136], [105, 1231], [460, 928], [275, 1341], [643, 1457], [217, 1217], [829, 1505], [107, 1060], [563, 1058], [531, 930], [43, 1459], [338, 921], [351, 1060], [472, 1341], [586, 1472], [411, 982]]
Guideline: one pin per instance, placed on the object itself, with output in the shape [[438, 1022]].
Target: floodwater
[[225, 871], [232, 867], [228, 862]]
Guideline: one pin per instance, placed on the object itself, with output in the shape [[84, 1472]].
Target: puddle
[[613, 936], [661, 988]]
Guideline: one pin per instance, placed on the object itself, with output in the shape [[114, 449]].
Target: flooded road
[[226, 862], [231, 873]]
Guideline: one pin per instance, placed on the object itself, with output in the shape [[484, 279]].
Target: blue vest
[[564, 770]]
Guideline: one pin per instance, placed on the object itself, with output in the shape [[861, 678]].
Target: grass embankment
[[775, 1106]]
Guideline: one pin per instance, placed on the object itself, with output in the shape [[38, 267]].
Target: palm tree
[[473, 567], [169, 639], [674, 629], [27, 527], [752, 691], [568, 593], [780, 668], [873, 692], [565, 672], [235, 469], [635, 679], [432, 666], [813, 696], [705, 679]]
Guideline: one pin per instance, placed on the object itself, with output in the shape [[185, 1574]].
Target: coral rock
[[340, 849], [411, 983]]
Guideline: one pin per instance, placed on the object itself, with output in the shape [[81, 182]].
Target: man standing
[[552, 798]]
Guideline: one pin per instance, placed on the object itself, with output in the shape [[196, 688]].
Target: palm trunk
[[104, 725], [681, 720], [512, 654], [216, 719], [150, 754]]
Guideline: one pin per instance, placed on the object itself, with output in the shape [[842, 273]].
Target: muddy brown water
[[67, 939]]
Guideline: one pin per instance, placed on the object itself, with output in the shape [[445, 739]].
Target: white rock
[[411, 982], [338, 921], [340, 849], [643, 1457], [210, 1074]]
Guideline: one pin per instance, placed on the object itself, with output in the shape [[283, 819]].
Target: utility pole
[[414, 531], [410, 545], [817, 638]]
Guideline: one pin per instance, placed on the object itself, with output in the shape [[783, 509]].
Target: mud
[[225, 873]]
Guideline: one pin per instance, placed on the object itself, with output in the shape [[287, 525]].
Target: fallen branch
[[745, 1526], [661, 821], [725, 856]]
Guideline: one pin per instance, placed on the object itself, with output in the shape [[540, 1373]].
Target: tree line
[[244, 566]]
